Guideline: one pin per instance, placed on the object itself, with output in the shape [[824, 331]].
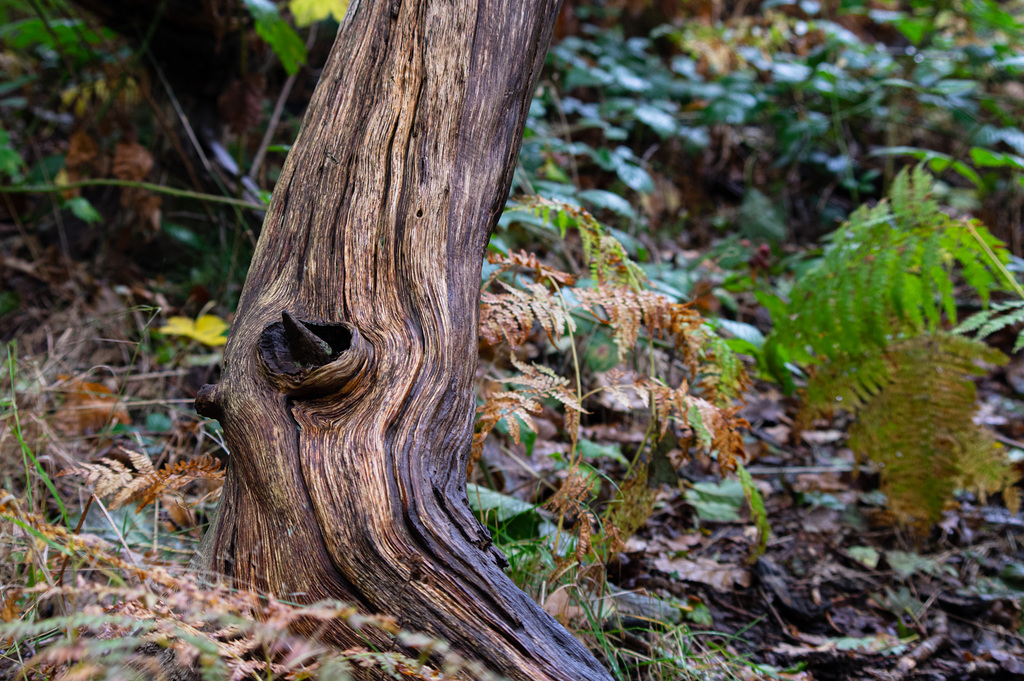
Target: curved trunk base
[[347, 397]]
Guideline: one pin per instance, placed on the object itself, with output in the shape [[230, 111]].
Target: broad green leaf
[[986, 158], [504, 507], [599, 198], [307, 12], [866, 555], [745, 332], [717, 501], [656, 119], [914, 28], [601, 352], [936, 161], [635, 177], [83, 210], [281, 37], [906, 564], [592, 450]]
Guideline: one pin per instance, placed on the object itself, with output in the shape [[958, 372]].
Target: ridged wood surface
[[347, 392]]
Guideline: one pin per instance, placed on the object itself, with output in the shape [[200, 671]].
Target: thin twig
[[104, 182], [117, 532], [181, 115], [1008, 441], [275, 117], [797, 470]]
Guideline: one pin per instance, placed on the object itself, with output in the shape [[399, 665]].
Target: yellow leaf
[[308, 11], [208, 329]]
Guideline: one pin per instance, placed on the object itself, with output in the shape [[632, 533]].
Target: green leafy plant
[[998, 317], [869, 322], [281, 37]]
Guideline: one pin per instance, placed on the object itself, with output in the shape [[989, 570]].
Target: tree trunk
[[347, 394]]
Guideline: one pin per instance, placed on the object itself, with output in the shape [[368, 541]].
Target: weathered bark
[[347, 397]]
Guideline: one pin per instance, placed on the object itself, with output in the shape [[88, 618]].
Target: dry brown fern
[[151, 622], [537, 383], [510, 316], [627, 311], [145, 484], [527, 261], [700, 409]]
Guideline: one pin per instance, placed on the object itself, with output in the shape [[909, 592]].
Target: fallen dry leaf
[[561, 605], [82, 151], [720, 576], [89, 408], [131, 161]]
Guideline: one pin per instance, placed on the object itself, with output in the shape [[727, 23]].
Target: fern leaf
[[111, 478], [877, 292], [510, 316], [913, 296], [1009, 318], [979, 272], [527, 261], [975, 321], [918, 427], [930, 258]]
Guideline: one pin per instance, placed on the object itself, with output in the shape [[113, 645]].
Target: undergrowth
[[697, 411], [623, 348], [84, 603]]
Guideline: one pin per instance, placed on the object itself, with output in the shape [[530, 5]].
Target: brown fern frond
[[173, 477], [504, 405], [510, 316], [715, 429], [543, 382], [537, 383], [124, 627], [571, 497], [527, 261], [111, 478], [107, 477], [628, 310]]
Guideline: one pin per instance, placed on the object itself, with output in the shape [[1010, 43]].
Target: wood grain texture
[[347, 394]]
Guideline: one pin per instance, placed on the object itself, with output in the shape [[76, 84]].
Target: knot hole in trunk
[[312, 359]]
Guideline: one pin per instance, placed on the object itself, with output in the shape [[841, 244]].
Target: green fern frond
[[878, 285], [1000, 316], [868, 321], [888, 272], [931, 272], [846, 384]]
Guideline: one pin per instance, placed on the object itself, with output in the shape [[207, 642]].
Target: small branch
[[275, 117], [117, 532], [158, 188]]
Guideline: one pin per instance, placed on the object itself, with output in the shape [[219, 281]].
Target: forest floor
[[842, 592], [719, 142]]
